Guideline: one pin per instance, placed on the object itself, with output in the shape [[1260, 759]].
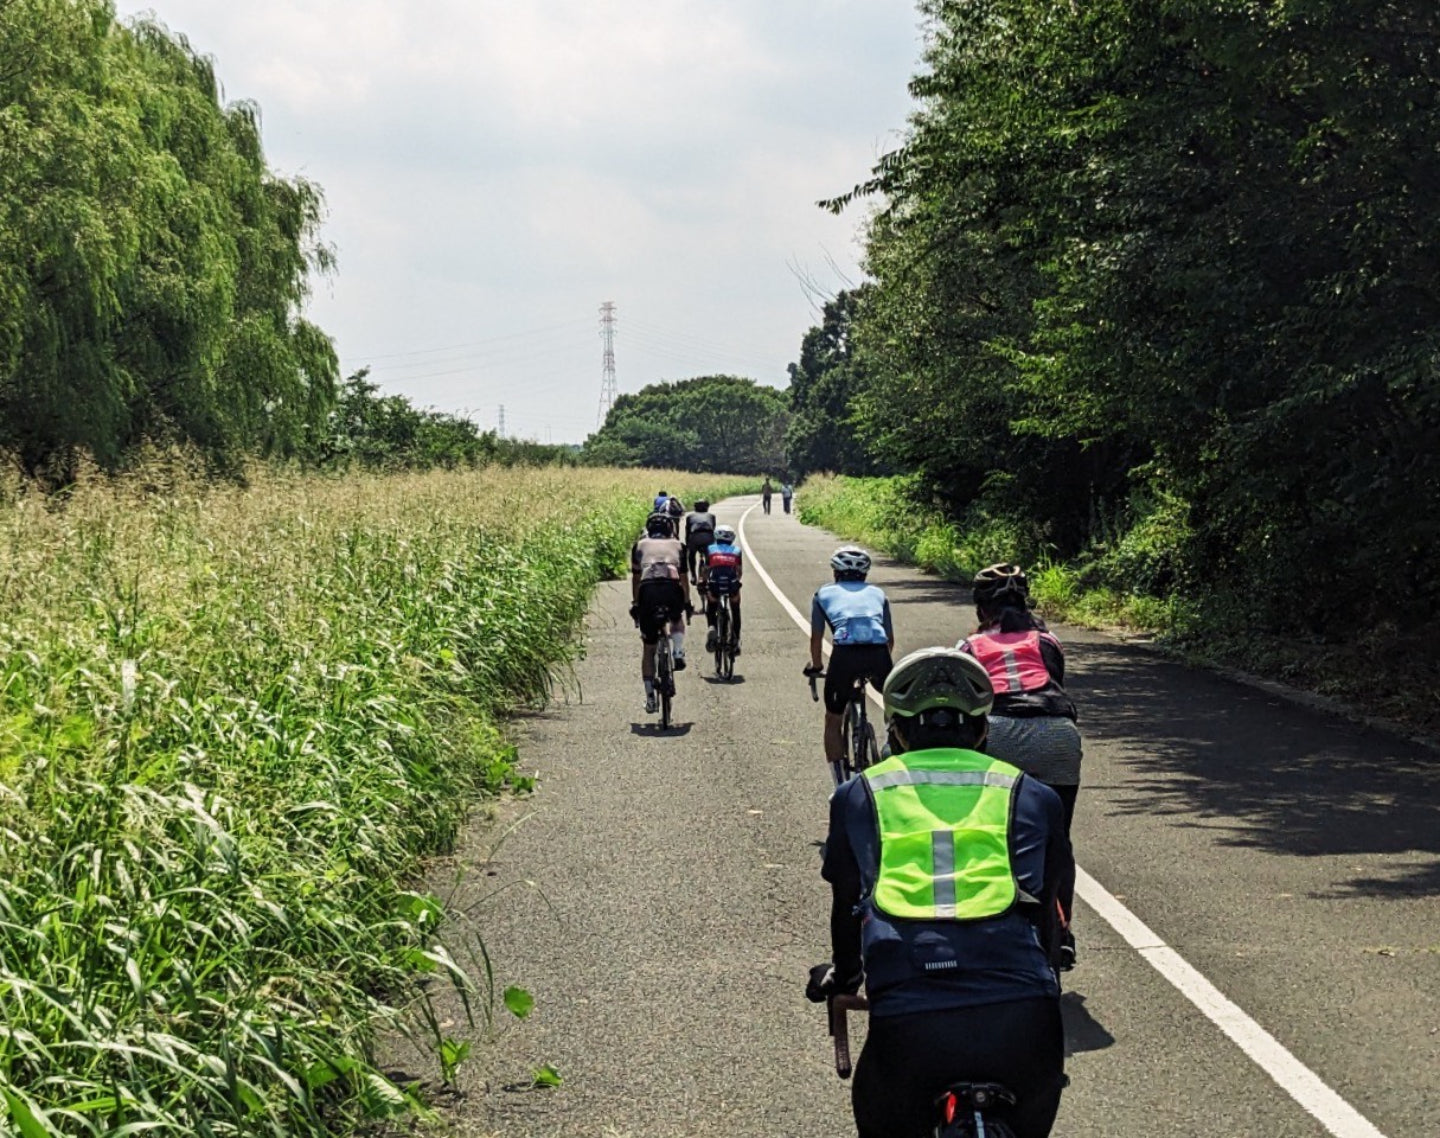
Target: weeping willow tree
[[152, 269]]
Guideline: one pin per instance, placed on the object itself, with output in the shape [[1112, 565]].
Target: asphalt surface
[[660, 897]]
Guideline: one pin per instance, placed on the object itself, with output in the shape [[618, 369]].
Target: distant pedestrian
[[787, 494], [765, 492]]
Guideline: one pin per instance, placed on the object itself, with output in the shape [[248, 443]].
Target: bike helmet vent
[[850, 559], [1000, 583], [725, 535], [934, 678]]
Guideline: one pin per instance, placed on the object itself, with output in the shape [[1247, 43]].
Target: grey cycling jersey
[[657, 558]]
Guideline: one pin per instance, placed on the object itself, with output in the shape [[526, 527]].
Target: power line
[[473, 344]]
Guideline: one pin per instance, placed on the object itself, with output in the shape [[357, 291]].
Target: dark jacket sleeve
[[1054, 657], [1059, 901], [842, 871]]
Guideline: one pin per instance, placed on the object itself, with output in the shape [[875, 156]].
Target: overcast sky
[[495, 169]]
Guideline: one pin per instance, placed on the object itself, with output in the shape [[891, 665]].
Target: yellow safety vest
[[944, 819]]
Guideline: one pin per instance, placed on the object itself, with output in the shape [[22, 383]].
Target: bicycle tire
[[869, 750], [722, 630], [727, 644], [664, 679]]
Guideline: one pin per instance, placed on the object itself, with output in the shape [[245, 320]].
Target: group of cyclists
[[664, 565], [949, 861]]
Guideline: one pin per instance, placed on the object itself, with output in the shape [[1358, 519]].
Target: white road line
[[1268, 1053]]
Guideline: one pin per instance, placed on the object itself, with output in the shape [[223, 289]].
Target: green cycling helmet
[[934, 678]]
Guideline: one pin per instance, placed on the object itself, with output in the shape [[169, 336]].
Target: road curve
[[659, 894]]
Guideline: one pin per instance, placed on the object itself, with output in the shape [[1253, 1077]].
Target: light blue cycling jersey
[[856, 613]]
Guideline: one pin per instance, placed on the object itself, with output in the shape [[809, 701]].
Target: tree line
[[1158, 281], [153, 269]]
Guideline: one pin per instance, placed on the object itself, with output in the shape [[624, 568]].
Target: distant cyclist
[[1033, 723], [660, 595], [862, 638], [699, 534], [944, 864], [720, 574], [661, 503], [766, 491]]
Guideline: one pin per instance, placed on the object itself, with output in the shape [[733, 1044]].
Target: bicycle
[[858, 746], [724, 639], [962, 1111]]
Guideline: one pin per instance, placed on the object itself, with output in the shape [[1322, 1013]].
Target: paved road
[[659, 895]]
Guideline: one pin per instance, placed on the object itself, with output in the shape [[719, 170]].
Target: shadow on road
[[654, 730], [1083, 1032], [1261, 772], [716, 680]]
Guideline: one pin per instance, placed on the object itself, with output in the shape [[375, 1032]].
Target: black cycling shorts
[[661, 601], [849, 663], [910, 1060], [716, 586]]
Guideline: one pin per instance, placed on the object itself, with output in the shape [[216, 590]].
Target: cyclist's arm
[[635, 574], [840, 868], [1054, 657], [818, 621], [889, 628]]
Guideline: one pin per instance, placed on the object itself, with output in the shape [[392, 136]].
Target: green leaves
[[152, 269], [519, 1002]]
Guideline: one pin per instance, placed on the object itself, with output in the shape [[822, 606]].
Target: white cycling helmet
[[935, 678], [850, 559], [725, 535]]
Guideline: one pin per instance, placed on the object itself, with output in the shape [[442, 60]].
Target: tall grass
[[232, 722], [882, 514]]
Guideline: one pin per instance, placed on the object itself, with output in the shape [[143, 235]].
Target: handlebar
[[837, 1006]]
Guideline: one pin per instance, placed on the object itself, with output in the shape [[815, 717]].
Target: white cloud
[[493, 166]]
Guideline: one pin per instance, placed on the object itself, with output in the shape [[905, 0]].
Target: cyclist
[[858, 616], [661, 503], [1033, 724], [699, 534], [765, 492], [945, 864], [660, 595], [720, 573]]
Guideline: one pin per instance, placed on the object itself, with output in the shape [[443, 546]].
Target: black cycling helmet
[[660, 525], [701, 505], [1002, 585]]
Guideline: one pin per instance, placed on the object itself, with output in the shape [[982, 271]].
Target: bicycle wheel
[[727, 645], [664, 679], [867, 754], [722, 630]]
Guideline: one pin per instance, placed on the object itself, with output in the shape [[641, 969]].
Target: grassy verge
[[232, 723], [1379, 672]]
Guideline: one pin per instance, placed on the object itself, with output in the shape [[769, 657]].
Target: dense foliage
[[152, 268], [713, 423], [232, 723], [1156, 281]]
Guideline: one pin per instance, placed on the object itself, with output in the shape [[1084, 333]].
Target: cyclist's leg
[[839, 676], [676, 607], [908, 1061], [651, 629], [735, 617]]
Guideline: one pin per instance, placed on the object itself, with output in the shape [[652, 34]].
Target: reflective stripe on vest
[[944, 818], [1013, 660]]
